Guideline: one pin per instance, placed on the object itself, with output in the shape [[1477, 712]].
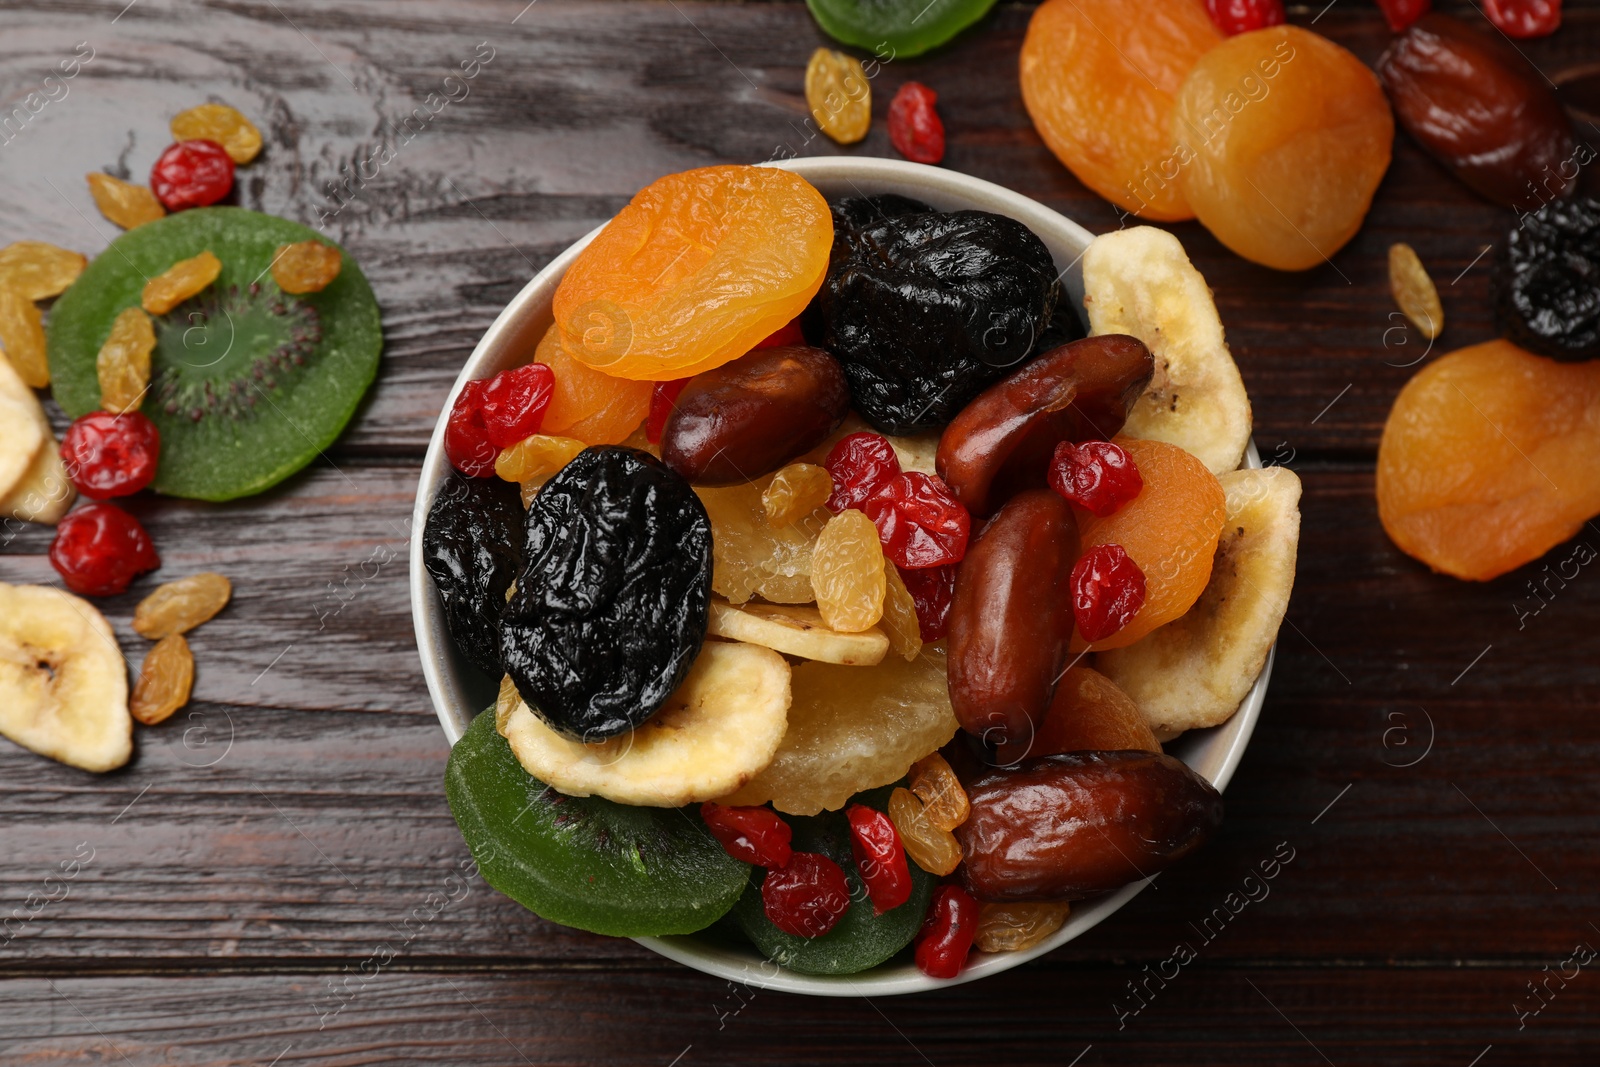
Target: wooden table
[[272, 880]]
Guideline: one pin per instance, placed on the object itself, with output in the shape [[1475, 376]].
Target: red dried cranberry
[[1524, 18], [466, 438], [1402, 13], [1242, 16], [785, 336], [915, 129], [1096, 475], [806, 898], [947, 932], [880, 857], [920, 522], [860, 464], [754, 835], [932, 589], [192, 174], [100, 548], [110, 455], [493, 415], [1107, 591], [663, 398]]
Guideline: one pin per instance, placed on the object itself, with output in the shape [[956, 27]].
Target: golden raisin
[[178, 607], [185, 278], [164, 681], [305, 266], [236, 134], [847, 572], [796, 491], [124, 203], [37, 270], [934, 850], [1413, 290], [838, 95], [935, 784], [899, 620], [124, 362], [22, 337], [537, 458], [1017, 926]]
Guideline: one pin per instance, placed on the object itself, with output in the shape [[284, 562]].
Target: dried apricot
[[305, 266], [847, 572], [123, 365], [124, 203], [165, 681], [839, 95], [38, 270], [934, 850], [1091, 713], [22, 337], [1013, 927], [220, 123], [536, 458], [935, 784], [1099, 83], [1170, 530], [1490, 457], [178, 607], [587, 405], [900, 621], [1286, 137], [185, 278], [1414, 292], [795, 492], [695, 271], [750, 556]]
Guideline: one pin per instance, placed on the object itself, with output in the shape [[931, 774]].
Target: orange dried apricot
[[1099, 80], [698, 268], [1490, 457], [185, 278], [585, 404], [124, 203], [305, 266], [123, 365]]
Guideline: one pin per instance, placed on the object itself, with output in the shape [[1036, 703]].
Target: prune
[[1481, 110], [747, 418], [1004, 440], [1067, 827], [1547, 281], [472, 547], [924, 308], [612, 604]]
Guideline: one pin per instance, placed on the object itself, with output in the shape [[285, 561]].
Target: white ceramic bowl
[[459, 692]]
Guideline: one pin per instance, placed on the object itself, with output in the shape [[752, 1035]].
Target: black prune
[[612, 605], [926, 308], [1547, 281], [472, 547]]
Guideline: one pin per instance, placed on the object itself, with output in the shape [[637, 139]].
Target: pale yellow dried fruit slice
[[1194, 671], [796, 630], [45, 493], [124, 203], [1413, 290], [63, 682], [22, 428], [1140, 282], [716, 732], [39, 271], [751, 557]]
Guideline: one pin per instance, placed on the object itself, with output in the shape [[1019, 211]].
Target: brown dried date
[[1001, 443], [750, 417], [1481, 110], [1011, 621], [1067, 827]]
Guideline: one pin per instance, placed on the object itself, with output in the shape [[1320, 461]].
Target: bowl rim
[[1218, 749]]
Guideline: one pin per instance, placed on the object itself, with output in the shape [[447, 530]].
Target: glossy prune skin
[[749, 417], [1070, 826], [472, 548], [1547, 281], [1480, 109], [925, 308], [1011, 619], [1003, 441], [611, 608]]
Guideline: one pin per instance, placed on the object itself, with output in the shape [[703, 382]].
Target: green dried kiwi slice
[[894, 29], [585, 862], [248, 384]]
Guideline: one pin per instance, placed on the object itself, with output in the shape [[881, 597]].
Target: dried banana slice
[[719, 730], [42, 492], [796, 630], [63, 682], [22, 428], [1138, 281], [1194, 671]]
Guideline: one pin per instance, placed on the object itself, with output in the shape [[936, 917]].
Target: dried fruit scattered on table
[[220, 123], [796, 630], [933, 849], [165, 681], [847, 572], [900, 622], [472, 547], [1018, 926], [192, 174], [915, 129], [880, 857], [859, 464], [1413, 291], [752, 834], [26, 428], [1488, 459], [934, 782], [947, 933], [123, 203], [184, 279], [1524, 18], [1400, 14], [920, 523], [587, 405], [808, 897], [42, 492], [839, 95], [795, 492], [493, 414], [896, 29], [1290, 135], [100, 548], [1090, 713], [123, 364], [734, 251], [1547, 281], [306, 266], [178, 607], [932, 589], [110, 455], [22, 337], [1096, 475], [534, 460], [1242, 16], [1481, 110], [38, 270], [1100, 85], [1108, 589]]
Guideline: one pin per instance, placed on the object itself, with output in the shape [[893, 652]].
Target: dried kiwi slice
[[894, 29], [248, 384]]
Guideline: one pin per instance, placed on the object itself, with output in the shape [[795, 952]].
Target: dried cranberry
[[880, 857], [932, 589], [920, 523], [663, 398], [914, 126], [860, 464], [754, 835], [1107, 591], [1242, 16], [110, 455], [192, 174], [807, 897], [785, 336], [99, 549], [1524, 18], [947, 932], [493, 415], [466, 438], [1096, 475], [1402, 13]]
